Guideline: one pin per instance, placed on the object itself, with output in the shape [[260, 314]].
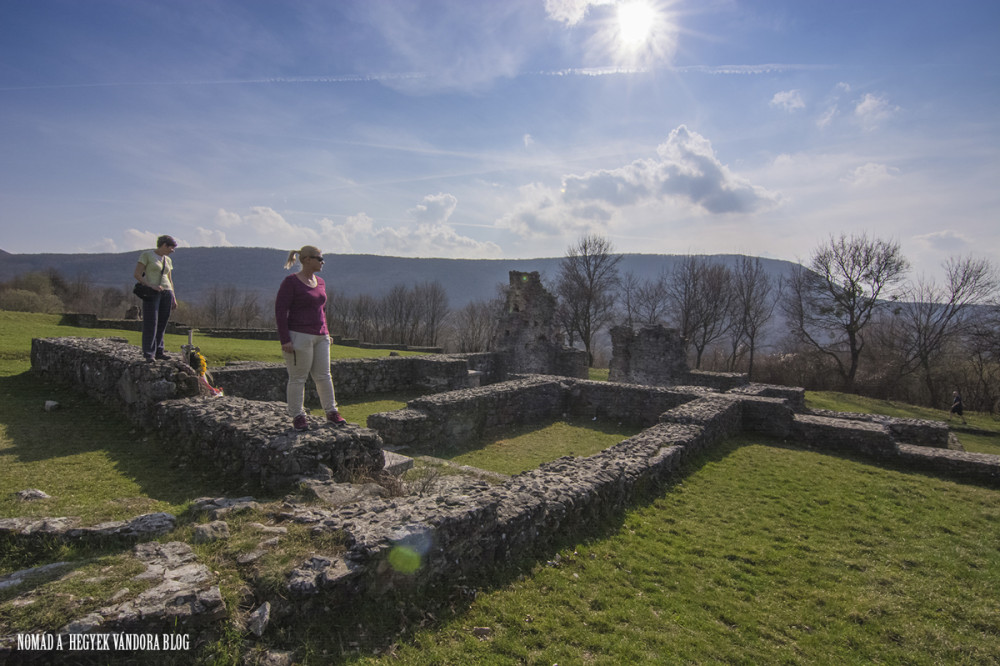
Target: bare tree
[[754, 297], [362, 317], [628, 296], [474, 326], [983, 347], [712, 321], [399, 311], [683, 285], [588, 280], [830, 304], [933, 315], [654, 300], [248, 311], [699, 294], [432, 310]]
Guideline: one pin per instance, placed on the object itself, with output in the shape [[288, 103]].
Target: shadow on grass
[[89, 457], [449, 451], [329, 634]]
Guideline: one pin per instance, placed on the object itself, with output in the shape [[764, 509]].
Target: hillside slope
[[199, 269]]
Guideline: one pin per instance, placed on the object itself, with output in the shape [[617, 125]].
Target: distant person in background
[[956, 406], [300, 313], [155, 270]]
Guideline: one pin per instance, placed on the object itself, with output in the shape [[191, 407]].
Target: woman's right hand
[[287, 347]]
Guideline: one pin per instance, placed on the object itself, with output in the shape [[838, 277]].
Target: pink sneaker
[[334, 417], [300, 423]]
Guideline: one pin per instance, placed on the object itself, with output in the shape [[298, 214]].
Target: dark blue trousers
[[155, 314]]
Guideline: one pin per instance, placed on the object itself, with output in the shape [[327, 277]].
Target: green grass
[[527, 447], [762, 555], [598, 374], [93, 463], [986, 440], [357, 410], [18, 328]]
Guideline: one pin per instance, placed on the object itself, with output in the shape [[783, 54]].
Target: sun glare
[[635, 22], [640, 33]]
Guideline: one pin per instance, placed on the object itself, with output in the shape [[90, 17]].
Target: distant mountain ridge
[[198, 269]]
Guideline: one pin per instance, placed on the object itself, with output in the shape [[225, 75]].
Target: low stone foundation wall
[[249, 440], [474, 526], [357, 377], [796, 396], [720, 381], [918, 432], [92, 321], [114, 372], [252, 441], [462, 418], [459, 418], [240, 333], [481, 526]]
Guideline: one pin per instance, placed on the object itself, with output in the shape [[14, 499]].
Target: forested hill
[[198, 269]]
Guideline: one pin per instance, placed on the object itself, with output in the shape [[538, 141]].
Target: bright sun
[[635, 22]]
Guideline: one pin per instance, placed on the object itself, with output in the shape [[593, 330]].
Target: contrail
[[768, 68]]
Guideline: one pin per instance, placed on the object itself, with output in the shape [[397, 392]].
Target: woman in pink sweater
[[299, 311]]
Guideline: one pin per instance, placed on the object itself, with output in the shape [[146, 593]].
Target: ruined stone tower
[[528, 335], [653, 356]]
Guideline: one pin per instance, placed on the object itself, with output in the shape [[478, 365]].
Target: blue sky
[[487, 129]]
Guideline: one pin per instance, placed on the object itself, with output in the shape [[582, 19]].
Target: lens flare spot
[[404, 559]]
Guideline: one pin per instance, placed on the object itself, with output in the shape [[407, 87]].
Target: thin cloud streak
[[771, 68]]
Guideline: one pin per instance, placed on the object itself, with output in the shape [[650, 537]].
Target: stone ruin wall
[[357, 377], [469, 526], [481, 525], [528, 337], [249, 440], [656, 356]]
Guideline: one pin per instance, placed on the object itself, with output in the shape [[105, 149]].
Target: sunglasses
[[320, 259]]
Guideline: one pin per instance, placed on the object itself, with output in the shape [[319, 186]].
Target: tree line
[[849, 319], [417, 315]]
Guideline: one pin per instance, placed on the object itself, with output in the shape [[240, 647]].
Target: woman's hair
[[166, 240], [304, 250]]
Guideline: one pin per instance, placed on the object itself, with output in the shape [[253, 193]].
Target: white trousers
[[311, 357]]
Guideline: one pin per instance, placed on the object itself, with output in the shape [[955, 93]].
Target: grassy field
[[761, 553], [982, 435], [524, 448], [94, 463]]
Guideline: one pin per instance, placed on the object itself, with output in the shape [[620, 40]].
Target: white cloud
[[827, 117], [872, 110], [103, 245], [685, 174], [687, 171], [227, 220], [870, 175], [542, 212], [211, 237], [528, 140], [432, 237], [789, 100], [262, 226], [571, 12], [139, 240], [433, 240], [341, 237], [946, 240], [434, 208]]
